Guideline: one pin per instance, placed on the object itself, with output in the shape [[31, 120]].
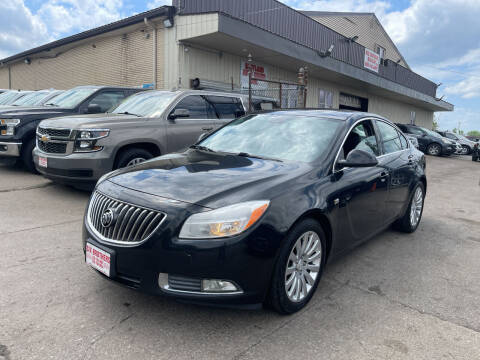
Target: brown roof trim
[[168, 11]]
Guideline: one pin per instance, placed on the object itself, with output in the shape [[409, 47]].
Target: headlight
[[227, 221], [87, 139], [445, 141], [7, 126]]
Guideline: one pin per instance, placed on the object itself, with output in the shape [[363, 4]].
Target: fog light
[[218, 286]]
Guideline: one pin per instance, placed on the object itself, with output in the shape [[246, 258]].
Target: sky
[[438, 38]]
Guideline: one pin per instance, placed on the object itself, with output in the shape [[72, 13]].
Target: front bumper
[[448, 149], [246, 260], [74, 168], [10, 149]]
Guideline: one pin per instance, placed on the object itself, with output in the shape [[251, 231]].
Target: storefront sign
[[258, 72], [372, 60]]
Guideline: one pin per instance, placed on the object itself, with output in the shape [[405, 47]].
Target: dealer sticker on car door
[[97, 258]]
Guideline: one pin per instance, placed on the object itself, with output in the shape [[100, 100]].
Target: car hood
[[88, 121], [42, 110], [209, 179]]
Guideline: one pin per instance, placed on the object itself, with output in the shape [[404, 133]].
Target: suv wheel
[[434, 149], [299, 267], [466, 150], [27, 156], [131, 157]]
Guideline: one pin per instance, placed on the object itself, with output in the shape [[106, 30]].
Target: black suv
[[429, 141], [17, 129]]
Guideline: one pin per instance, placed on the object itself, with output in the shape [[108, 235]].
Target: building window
[[325, 99], [413, 117], [380, 51]]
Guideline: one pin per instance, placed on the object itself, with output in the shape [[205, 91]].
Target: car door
[[227, 108], [361, 193], [421, 136], [397, 159], [185, 131]]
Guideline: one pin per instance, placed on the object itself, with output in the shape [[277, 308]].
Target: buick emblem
[[108, 218]]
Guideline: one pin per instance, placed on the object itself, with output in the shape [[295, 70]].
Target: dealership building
[[352, 62]]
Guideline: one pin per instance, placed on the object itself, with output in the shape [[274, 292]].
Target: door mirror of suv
[[179, 113], [359, 158], [94, 109]]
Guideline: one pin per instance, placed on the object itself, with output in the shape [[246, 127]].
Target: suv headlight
[[227, 221], [86, 140], [7, 126]]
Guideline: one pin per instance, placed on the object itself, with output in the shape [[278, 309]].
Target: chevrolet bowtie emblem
[[45, 138]]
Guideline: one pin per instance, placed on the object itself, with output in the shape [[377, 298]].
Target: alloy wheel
[[465, 150], [434, 149], [416, 207], [136, 161], [303, 266]]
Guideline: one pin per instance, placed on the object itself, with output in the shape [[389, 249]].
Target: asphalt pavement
[[398, 296]]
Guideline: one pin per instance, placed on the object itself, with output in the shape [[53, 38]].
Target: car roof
[[98, 87], [330, 113]]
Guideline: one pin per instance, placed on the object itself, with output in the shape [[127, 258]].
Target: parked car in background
[[9, 97], [143, 126], [3, 90], [18, 129], [250, 214], [429, 141], [473, 138], [466, 144], [34, 99]]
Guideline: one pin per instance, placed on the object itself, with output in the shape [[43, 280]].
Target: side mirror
[[359, 158], [202, 136], [94, 109], [179, 113]]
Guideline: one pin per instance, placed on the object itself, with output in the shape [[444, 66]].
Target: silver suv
[[466, 144], [80, 149]]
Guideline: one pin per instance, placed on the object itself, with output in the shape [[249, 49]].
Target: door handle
[[207, 128]]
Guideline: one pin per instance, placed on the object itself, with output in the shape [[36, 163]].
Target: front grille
[[52, 147], [54, 132], [132, 224], [176, 282]]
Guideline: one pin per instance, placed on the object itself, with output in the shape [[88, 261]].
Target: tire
[[406, 223], [434, 149], [466, 150], [127, 157], [311, 232], [27, 156]]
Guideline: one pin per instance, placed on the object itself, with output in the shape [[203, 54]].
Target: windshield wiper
[[129, 113], [200, 147], [50, 104], [244, 154]]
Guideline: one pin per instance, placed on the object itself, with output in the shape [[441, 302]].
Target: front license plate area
[[42, 161], [98, 259]]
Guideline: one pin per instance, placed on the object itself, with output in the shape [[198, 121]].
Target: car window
[[226, 107], [146, 103], [403, 141], [390, 137], [413, 130], [362, 137], [451, 136], [198, 107], [108, 99]]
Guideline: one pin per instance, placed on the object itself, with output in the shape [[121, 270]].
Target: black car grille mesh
[[176, 282], [54, 132], [52, 147], [131, 224]]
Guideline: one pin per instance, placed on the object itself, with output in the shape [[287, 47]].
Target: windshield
[[8, 97], [30, 99], [280, 136], [145, 104], [72, 98], [432, 133]]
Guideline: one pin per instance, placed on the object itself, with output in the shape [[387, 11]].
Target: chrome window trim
[[348, 133], [104, 240]]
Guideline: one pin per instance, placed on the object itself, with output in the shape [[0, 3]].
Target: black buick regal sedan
[[252, 213]]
